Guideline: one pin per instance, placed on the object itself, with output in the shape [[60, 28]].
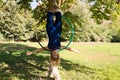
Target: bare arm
[[37, 50], [71, 49]]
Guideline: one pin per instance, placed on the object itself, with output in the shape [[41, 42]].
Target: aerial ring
[[70, 39]]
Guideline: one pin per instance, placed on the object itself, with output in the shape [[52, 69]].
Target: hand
[[76, 51], [29, 53]]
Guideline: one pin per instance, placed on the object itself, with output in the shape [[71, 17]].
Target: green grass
[[96, 61]]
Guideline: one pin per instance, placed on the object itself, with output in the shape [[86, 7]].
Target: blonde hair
[[55, 58]]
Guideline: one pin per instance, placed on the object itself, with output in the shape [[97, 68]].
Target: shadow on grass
[[14, 64], [68, 65]]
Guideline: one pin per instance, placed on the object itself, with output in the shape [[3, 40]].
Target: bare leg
[[35, 51], [71, 49]]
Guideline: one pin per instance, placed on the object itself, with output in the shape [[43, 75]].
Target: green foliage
[[116, 12], [3, 2], [1, 38], [19, 22], [115, 26], [40, 15], [100, 33], [16, 24], [79, 15], [108, 10], [24, 3], [103, 9], [86, 29]]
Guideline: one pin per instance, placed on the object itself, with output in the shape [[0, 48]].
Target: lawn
[[96, 61]]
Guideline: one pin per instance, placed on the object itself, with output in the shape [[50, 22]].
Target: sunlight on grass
[[96, 61]]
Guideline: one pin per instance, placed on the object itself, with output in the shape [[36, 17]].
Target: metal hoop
[[70, 39]]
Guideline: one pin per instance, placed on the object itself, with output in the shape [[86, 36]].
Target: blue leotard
[[53, 29]]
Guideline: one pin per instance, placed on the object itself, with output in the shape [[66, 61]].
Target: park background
[[97, 36], [92, 20]]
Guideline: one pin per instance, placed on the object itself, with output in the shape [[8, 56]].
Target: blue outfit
[[54, 29]]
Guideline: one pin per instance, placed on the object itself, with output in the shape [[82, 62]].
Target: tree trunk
[[54, 5]]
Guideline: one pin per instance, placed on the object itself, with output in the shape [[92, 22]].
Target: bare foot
[[76, 51]]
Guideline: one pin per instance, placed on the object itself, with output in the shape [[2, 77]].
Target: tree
[[40, 12], [23, 27], [102, 9], [14, 23]]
